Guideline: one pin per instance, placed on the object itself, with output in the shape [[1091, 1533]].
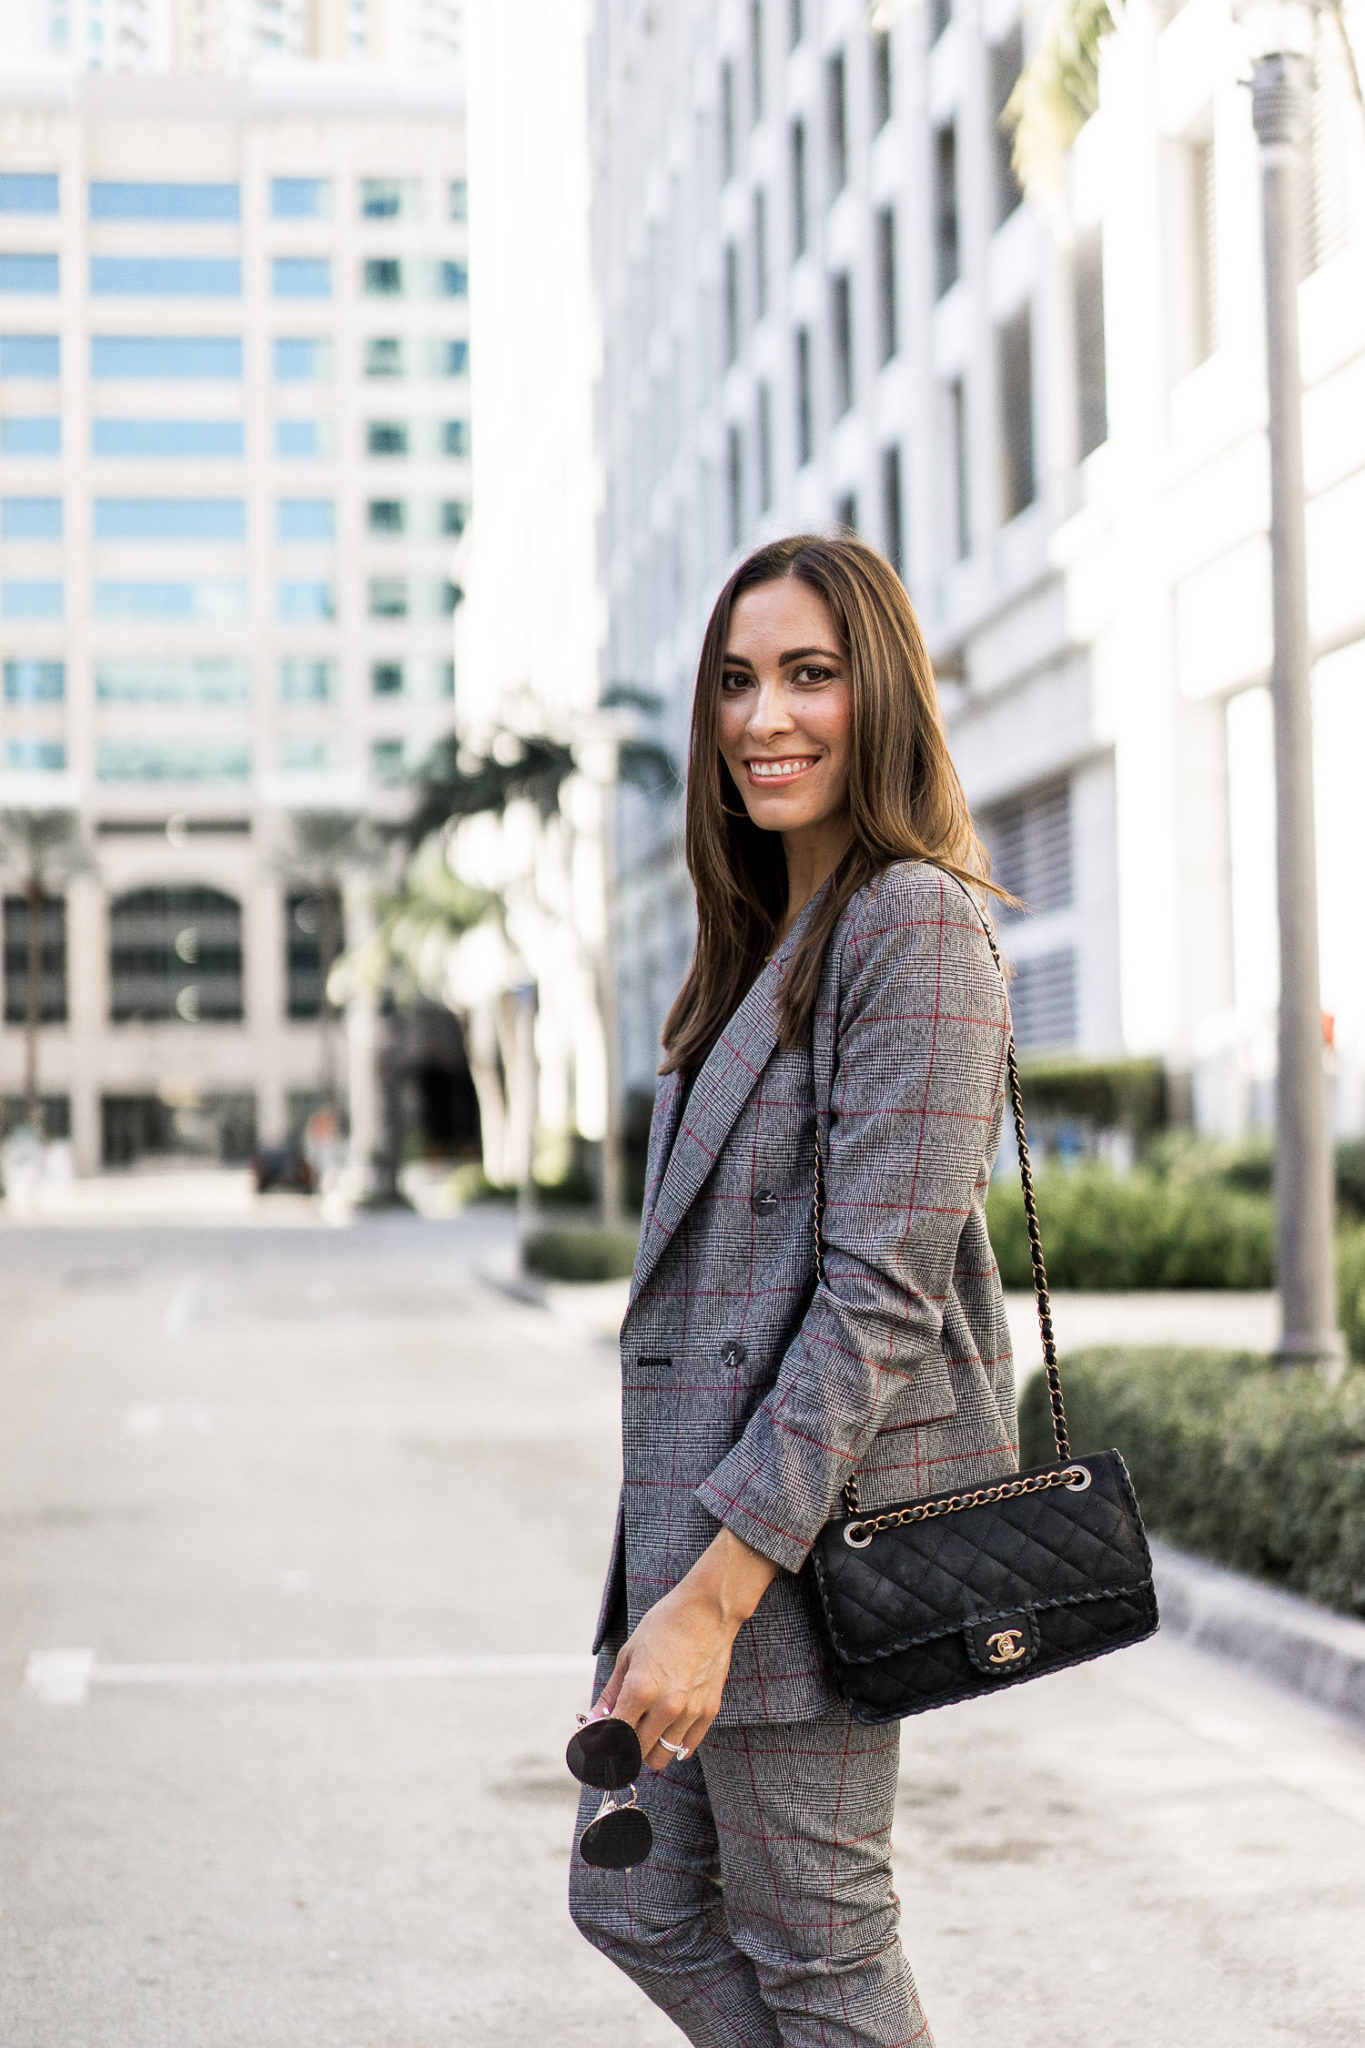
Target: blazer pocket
[[927, 1397]]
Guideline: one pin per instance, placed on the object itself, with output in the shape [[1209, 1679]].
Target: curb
[[1272, 1635]]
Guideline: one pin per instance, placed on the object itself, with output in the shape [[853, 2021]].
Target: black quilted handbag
[[960, 1594]]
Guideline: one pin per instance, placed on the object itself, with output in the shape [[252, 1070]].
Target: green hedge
[[579, 1254], [1259, 1469], [1104, 1230]]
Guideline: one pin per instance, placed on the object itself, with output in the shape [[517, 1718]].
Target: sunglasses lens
[[618, 1840], [605, 1755]]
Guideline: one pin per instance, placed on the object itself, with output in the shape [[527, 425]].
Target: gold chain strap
[[859, 1534], [953, 1503]]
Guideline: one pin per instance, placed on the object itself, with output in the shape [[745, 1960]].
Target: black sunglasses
[[606, 1755]]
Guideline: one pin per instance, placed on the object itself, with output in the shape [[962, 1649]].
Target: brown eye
[[733, 679]]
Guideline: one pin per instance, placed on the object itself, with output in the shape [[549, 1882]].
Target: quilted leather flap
[[923, 1580]]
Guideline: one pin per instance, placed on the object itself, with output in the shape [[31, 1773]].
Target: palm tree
[[404, 959], [1059, 88], [321, 849], [42, 849]]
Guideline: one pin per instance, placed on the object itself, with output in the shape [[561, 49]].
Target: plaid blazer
[[750, 1392]]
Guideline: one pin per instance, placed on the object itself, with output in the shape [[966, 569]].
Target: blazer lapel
[[663, 1128], [722, 1088]]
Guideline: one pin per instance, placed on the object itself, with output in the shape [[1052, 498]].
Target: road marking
[[64, 1677]]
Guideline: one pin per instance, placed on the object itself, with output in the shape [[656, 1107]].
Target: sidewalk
[[319, 1518]]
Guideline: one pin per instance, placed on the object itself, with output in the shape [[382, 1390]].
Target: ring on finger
[[675, 1749]]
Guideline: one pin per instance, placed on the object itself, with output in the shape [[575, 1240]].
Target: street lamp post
[[1280, 34]]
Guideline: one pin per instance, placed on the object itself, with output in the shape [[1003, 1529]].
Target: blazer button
[[733, 1355], [763, 1201]]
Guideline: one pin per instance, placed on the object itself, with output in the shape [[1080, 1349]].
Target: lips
[[784, 770]]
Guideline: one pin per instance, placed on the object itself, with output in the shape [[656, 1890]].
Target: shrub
[[1103, 1230], [1351, 1290], [579, 1254], [1259, 1469]]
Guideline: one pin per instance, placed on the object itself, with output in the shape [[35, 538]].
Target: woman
[[842, 989]]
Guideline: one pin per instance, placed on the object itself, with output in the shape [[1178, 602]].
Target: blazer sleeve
[[918, 1075]]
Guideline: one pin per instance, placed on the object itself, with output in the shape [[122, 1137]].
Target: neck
[[812, 857]]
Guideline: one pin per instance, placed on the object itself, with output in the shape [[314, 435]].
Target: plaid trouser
[[765, 1915]]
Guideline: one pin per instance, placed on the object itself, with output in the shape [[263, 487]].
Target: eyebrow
[[792, 654]]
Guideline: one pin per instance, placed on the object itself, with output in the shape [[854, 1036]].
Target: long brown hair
[[905, 800]]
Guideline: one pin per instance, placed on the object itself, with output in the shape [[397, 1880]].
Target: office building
[[234, 467], [825, 302]]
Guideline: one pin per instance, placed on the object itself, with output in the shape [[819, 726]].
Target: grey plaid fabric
[[749, 1393], [765, 1915]]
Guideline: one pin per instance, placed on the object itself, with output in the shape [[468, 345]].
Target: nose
[[770, 714]]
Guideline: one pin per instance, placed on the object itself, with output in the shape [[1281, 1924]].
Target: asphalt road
[[323, 1514]]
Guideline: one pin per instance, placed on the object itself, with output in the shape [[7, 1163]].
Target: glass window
[[388, 515], [450, 280], [35, 682], [173, 761], [139, 680], [51, 937], [448, 358], [166, 277], [386, 678], [174, 954], [220, 439], [30, 435], [389, 198], [119, 200], [307, 682], [170, 519], [298, 440], [309, 601], [388, 597], [382, 277], [455, 437], [167, 356], [35, 757], [30, 355], [25, 273], [881, 79], [459, 199], [945, 208], [302, 755], [300, 198], [443, 679], [301, 359], [28, 191], [305, 519], [31, 597], [301, 277], [386, 437], [1006, 62], [836, 121], [453, 513], [387, 760], [205, 600], [30, 518], [383, 356], [1014, 358]]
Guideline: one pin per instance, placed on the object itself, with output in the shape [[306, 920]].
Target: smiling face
[[785, 717]]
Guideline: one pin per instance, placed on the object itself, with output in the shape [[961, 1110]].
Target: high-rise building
[[234, 467], [825, 303]]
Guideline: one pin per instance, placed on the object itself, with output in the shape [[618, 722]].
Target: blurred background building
[[234, 467], [825, 302]]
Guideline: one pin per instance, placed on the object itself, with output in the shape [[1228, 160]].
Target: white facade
[[822, 301], [233, 472], [229, 35], [528, 636]]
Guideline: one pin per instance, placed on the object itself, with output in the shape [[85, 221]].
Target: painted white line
[[64, 1677], [60, 1678]]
